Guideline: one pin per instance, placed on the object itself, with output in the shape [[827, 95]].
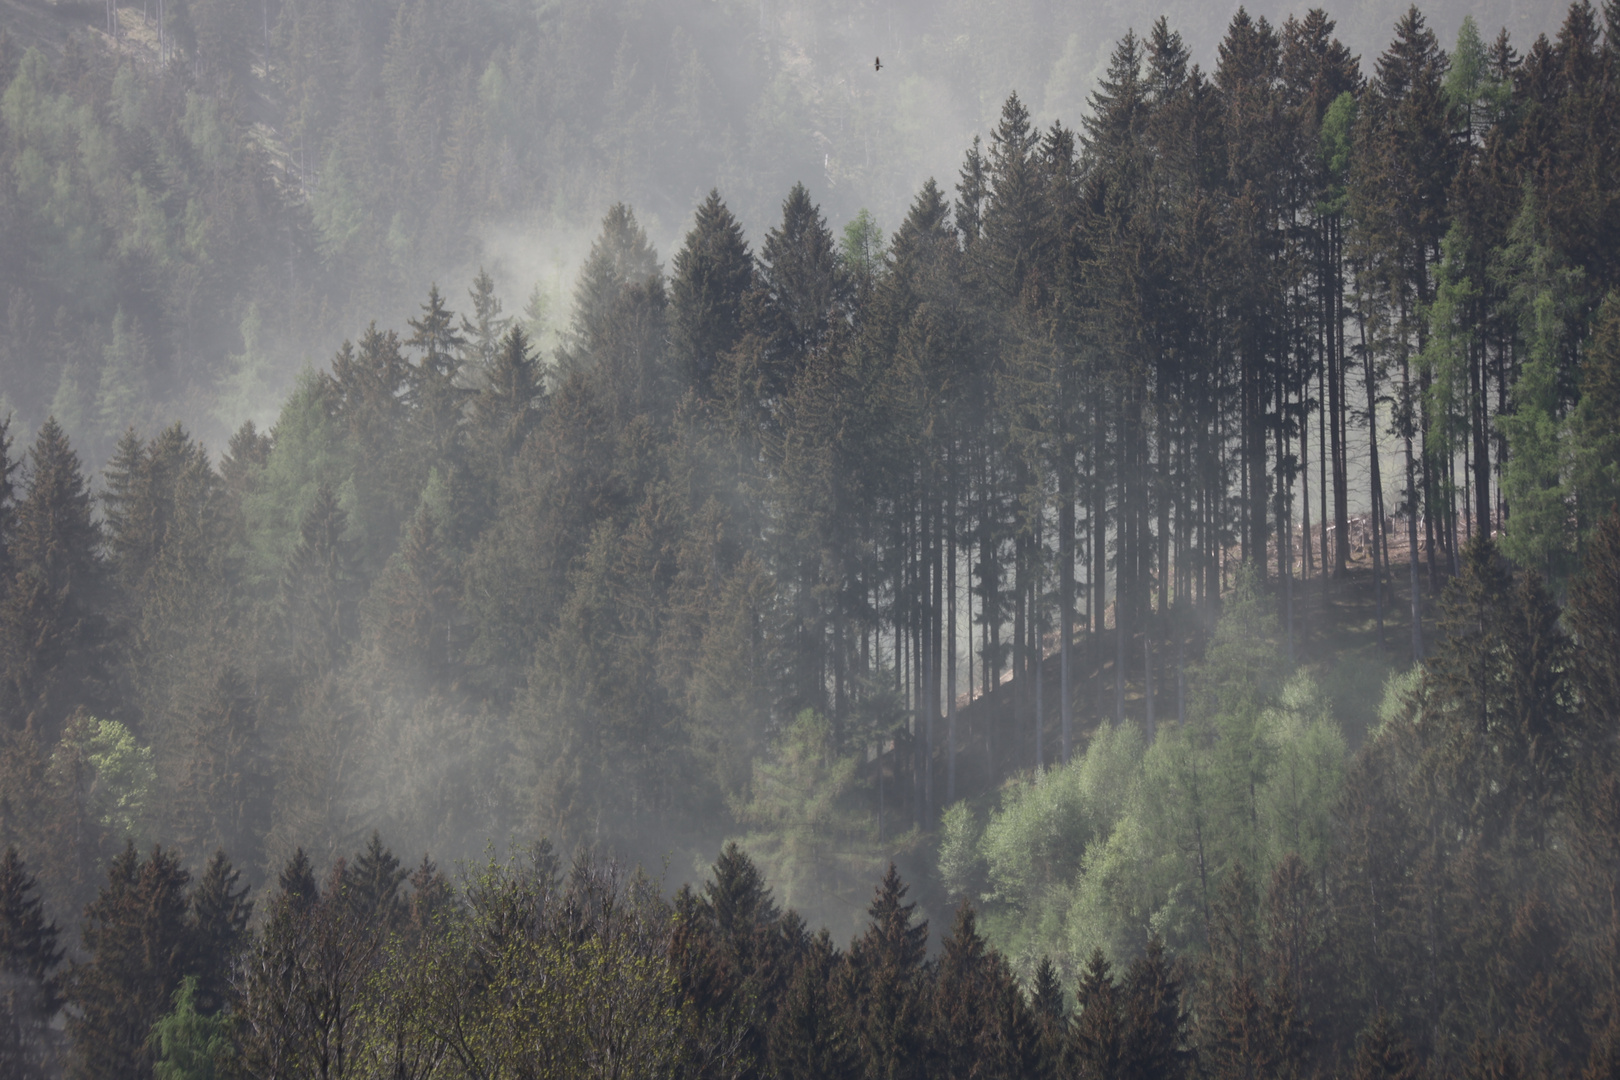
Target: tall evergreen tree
[[138, 946], [712, 275], [29, 995], [53, 630], [888, 1013]]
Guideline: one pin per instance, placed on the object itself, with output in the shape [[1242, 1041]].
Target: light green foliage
[[960, 864], [861, 246], [1130, 841], [1546, 296], [191, 1045], [1337, 140], [109, 769], [527, 975], [1398, 689], [310, 451], [798, 807], [1453, 328], [1307, 755]]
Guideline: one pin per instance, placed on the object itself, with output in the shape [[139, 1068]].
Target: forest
[[1156, 612]]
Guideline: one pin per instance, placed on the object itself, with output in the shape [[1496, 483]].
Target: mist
[[1105, 511]]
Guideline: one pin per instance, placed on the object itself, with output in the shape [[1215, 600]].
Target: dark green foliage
[[887, 1007], [53, 627], [812, 1034], [28, 959], [712, 551], [507, 404], [711, 275], [981, 1024], [220, 911], [138, 946]]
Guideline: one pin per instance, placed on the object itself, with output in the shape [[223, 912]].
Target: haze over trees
[[1011, 553]]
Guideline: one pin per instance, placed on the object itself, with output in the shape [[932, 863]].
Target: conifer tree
[[1051, 1017], [139, 946], [1155, 1021], [800, 298], [435, 387], [412, 604], [8, 507], [318, 590], [887, 962], [1594, 616], [53, 633], [1594, 433], [1383, 1053], [371, 885], [219, 929], [811, 1035], [222, 791], [712, 275], [620, 258], [28, 958], [506, 407], [1096, 1040], [482, 334]]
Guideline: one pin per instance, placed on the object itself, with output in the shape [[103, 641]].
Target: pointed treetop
[[892, 939], [297, 881], [27, 940], [738, 894]]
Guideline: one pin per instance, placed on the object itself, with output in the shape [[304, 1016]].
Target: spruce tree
[[371, 885], [1384, 1053], [712, 274], [507, 405], [436, 393], [220, 911], [1594, 616], [1594, 433], [889, 1011], [28, 984], [318, 590], [802, 292], [811, 1036], [8, 506], [53, 629], [482, 334], [620, 258], [1051, 1018], [1155, 1020], [138, 945], [1097, 1035]]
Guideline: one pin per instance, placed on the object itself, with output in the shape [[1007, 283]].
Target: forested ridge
[[1014, 550]]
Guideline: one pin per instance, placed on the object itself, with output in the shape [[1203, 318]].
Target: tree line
[[1455, 915], [738, 552]]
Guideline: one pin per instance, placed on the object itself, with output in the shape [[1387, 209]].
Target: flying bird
[[877, 63]]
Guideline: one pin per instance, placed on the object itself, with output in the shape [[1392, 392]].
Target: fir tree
[[620, 259], [28, 957], [371, 885], [219, 919], [507, 405], [888, 967], [712, 274], [810, 1036], [138, 944], [53, 633]]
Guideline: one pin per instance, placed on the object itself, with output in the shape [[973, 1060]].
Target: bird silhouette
[[877, 63]]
